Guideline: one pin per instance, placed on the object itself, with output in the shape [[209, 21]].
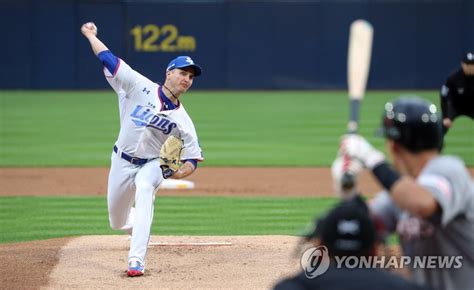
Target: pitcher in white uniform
[[149, 114]]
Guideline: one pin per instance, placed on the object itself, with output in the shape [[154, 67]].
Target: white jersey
[[144, 122]]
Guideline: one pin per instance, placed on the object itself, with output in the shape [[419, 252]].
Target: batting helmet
[[414, 123]]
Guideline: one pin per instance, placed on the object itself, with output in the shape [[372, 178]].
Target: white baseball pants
[[129, 184]]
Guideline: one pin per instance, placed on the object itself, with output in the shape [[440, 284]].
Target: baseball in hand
[[88, 28]]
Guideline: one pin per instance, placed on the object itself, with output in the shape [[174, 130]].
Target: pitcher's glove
[[170, 156]]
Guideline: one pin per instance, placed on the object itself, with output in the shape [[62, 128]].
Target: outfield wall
[[240, 44]]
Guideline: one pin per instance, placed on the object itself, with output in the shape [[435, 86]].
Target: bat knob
[[347, 181], [352, 127]]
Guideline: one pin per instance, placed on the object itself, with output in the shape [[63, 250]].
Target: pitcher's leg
[[120, 193], [147, 181]]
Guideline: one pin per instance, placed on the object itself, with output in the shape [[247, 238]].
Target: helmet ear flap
[[393, 133], [394, 146]]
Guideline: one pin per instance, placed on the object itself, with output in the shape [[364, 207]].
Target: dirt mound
[[92, 262]]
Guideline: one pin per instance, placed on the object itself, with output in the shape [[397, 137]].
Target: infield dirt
[[238, 181]]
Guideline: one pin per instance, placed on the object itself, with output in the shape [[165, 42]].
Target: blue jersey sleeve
[[193, 161], [109, 60]]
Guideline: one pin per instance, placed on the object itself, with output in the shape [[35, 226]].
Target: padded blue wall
[[240, 44]]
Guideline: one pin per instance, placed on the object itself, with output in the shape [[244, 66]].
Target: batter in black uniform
[[457, 94]]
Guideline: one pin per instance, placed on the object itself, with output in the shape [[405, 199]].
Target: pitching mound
[[239, 262]]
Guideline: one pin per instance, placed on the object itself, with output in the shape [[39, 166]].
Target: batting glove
[[340, 166], [356, 147]]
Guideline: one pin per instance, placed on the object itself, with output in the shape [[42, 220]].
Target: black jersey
[[457, 95], [344, 278]]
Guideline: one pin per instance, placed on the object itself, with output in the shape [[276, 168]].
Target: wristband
[[166, 172], [386, 175]]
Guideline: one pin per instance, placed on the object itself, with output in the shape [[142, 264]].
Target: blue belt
[[133, 160]]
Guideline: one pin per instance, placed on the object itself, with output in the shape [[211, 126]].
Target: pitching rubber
[[183, 244]]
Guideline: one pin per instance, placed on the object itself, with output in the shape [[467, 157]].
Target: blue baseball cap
[[182, 62]]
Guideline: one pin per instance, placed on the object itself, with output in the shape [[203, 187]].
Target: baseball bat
[[358, 65]]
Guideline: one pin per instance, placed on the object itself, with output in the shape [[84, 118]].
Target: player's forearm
[[96, 44], [89, 30], [185, 170]]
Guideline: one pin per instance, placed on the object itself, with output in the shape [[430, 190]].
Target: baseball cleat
[[135, 268]]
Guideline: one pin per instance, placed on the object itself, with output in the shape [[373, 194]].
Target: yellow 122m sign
[[152, 38]]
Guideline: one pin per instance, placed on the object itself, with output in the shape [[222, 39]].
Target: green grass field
[[32, 218], [277, 128], [239, 128]]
